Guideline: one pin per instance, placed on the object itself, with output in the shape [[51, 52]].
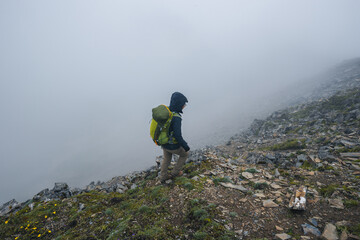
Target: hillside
[[242, 190]]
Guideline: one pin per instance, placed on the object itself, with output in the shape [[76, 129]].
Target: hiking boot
[[177, 175]]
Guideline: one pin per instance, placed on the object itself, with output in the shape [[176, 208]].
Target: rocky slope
[[246, 189]]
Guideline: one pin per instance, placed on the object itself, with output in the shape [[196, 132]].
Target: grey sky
[[78, 79]]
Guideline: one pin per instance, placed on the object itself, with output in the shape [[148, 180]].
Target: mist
[[78, 79]]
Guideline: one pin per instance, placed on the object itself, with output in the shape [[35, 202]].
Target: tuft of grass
[[291, 144], [200, 214], [351, 203], [251, 170], [307, 165], [200, 235], [328, 190], [144, 209], [216, 181], [189, 186], [355, 229], [109, 211]]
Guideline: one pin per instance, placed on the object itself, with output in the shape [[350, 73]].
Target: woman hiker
[[177, 144]]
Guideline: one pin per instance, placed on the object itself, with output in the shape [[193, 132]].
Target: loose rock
[[269, 203], [330, 232]]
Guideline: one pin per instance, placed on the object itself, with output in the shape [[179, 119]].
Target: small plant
[[351, 203], [355, 229], [251, 170], [188, 186], [216, 181], [292, 144], [200, 214], [200, 235], [109, 211], [233, 214], [144, 209], [328, 190], [260, 186], [194, 202], [307, 165]]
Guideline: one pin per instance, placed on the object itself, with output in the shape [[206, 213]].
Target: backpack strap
[[177, 114], [172, 140]]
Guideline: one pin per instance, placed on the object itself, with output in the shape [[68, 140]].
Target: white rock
[[298, 200]]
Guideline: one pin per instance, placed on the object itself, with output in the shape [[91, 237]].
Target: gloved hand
[[187, 148]]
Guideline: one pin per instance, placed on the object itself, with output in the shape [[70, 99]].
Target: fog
[[78, 79]]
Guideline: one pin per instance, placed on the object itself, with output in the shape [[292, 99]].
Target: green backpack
[[160, 124]]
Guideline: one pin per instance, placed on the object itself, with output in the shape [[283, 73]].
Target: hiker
[[180, 147]]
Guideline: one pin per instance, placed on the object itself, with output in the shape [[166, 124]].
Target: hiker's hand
[[187, 148]]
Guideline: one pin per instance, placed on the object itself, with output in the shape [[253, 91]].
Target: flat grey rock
[[233, 186], [307, 228]]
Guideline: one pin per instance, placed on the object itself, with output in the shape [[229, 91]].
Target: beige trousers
[[167, 160]]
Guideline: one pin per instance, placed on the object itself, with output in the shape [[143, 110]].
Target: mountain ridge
[[240, 190]]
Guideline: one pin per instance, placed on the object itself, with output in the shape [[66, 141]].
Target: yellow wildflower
[[21, 227], [55, 204], [45, 216], [6, 222], [39, 235], [54, 212], [16, 238], [49, 231], [28, 225], [34, 228]]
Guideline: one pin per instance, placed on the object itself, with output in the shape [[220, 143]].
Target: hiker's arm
[[177, 133]]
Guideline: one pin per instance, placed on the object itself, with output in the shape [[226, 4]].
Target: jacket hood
[[177, 101]]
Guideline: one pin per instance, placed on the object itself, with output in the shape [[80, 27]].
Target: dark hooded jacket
[[177, 101]]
